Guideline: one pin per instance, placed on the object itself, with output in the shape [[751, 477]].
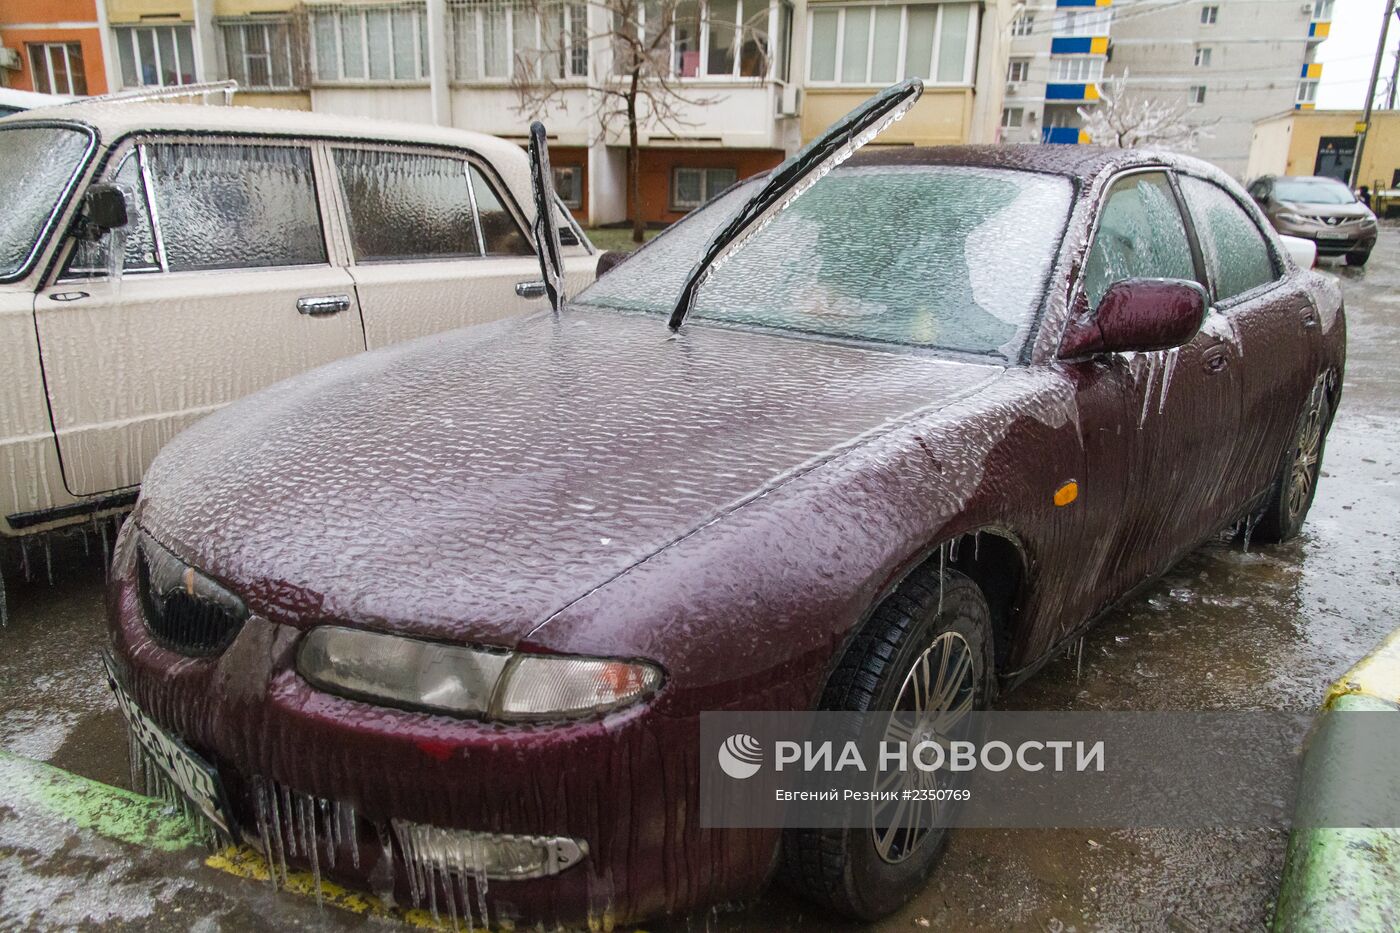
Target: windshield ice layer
[[937, 256], [40, 161]]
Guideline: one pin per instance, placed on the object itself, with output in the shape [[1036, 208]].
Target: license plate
[[196, 778], [1325, 235]]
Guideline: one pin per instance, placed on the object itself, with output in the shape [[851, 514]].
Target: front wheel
[[1358, 258], [1296, 482], [926, 652]]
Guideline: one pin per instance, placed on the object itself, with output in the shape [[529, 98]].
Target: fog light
[[468, 854]]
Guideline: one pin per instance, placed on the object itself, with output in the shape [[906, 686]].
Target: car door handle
[[1216, 360], [323, 305], [530, 289]]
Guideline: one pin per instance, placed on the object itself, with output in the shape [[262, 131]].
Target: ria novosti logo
[[740, 756]]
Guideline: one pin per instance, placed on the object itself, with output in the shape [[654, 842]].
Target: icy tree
[[647, 47], [1124, 119]]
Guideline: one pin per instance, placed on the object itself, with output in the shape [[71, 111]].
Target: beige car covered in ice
[[257, 244]]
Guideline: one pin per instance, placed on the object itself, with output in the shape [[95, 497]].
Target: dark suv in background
[[1320, 209]]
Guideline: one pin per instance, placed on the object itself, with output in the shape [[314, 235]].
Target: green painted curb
[[108, 811]]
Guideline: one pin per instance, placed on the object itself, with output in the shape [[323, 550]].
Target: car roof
[[115, 119], [1081, 163]]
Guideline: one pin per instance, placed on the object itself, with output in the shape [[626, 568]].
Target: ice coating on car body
[[729, 504]]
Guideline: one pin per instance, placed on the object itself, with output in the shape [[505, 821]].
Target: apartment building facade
[[55, 46], [1058, 51], [755, 78], [1233, 62]]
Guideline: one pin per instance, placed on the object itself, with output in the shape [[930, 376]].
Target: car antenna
[[546, 227], [793, 177]]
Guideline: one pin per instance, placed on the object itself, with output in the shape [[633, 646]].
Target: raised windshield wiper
[[546, 228], [793, 177]]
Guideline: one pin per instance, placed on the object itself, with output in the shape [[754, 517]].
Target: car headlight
[[1291, 217], [467, 681]]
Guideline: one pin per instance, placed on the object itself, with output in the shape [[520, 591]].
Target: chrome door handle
[[530, 289], [323, 305]]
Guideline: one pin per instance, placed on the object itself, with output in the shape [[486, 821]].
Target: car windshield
[[1312, 191], [927, 256], [40, 161]]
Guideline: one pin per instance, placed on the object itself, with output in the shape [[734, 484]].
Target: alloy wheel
[[937, 694]]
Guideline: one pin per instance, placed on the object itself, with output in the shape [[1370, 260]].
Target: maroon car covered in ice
[[440, 620]]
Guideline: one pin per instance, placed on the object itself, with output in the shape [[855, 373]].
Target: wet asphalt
[[1266, 628]]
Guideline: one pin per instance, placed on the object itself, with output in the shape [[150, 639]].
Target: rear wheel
[[1358, 258], [927, 652], [1296, 482]]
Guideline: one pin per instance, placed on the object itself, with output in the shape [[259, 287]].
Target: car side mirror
[[609, 259], [1138, 315], [1302, 252], [104, 209]]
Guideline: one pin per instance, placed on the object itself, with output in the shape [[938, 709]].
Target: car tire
[[1358, 258], [932, 611], [1295, 485]]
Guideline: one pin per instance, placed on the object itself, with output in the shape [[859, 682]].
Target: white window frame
[[1209, 14], [1023, 25], [1203, 57], [270, 27], [705, 193], [129, 34], [969, 54], [772, 23], [576, 170], [516, 16], [1196, 95], [1307, 91], [1078, 69], [420, 65], [1083, 21], [1018, 70], [1322, 11], [47, 51], [1013, 118]]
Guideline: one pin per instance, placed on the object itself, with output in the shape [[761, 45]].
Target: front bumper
[[329, 783], [1332, 240]]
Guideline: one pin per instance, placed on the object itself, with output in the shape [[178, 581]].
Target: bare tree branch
[[1125, 120]]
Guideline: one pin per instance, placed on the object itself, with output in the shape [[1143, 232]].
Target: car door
[[1181, 405], [1271, 320], [435, 242], [226, 286]]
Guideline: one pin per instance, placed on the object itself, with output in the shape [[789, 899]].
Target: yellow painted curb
[[1376, 675]]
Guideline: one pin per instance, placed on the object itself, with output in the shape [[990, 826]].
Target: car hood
[[472, 484], [1356, 209]]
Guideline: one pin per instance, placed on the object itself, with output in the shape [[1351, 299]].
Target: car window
[[139, 249], [230, 206], [499, 229], [406, 205], [930, 256], [1313, 191], [1236, 254], [1140, 235], [40, 163]]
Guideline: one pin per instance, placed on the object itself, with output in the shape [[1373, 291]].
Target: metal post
[[1394, 76], [1370, 96]]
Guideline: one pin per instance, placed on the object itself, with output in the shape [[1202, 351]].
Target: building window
[[877, 45], [1078, 69], [374, 44], [715, 38], [692, 187], [1203, 58], [568, 184], [57, 68], [1059, 117], [784, 70], [1209, 14], [1322, 11], [1012, 117], [1083, 22], [496, 41], [1196, 94], [263, 55], [1307, 91], [1019, 70], [156, 56], [1023, 25]]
